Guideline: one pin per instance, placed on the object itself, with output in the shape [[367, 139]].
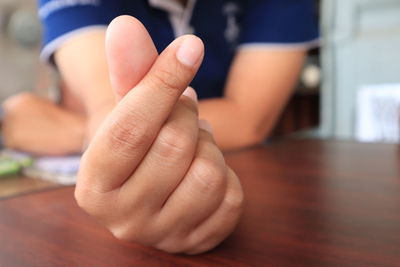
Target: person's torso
[[216, 22]]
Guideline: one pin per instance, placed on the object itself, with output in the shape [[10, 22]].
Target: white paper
[[378, 113], [61, 170]]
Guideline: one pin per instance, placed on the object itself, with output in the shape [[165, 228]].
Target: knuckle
[[86, 201], [174, 143], [166, 78], [93, 202], [81, 198], [125, 233], [128, 136], [189, 105], [135, 231], [209, 176], [234, 201]]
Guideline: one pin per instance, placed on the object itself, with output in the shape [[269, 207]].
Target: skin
[[140, 139], [241, 118], [153, 173], [27, 112]]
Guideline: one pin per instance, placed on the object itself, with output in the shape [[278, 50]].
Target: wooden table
[[18, 185], [309, 203]]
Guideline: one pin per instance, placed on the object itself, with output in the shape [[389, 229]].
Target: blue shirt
[[225, 26]]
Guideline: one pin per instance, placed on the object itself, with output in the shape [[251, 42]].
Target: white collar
[[170, 6], [179, 16]]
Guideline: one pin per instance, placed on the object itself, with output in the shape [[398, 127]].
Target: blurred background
[[20, 67], [349, 88]]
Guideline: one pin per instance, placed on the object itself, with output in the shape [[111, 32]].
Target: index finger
[[129, 130]]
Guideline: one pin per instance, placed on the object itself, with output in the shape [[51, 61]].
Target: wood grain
[[309, 203]]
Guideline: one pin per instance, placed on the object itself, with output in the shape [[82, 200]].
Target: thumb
[[130, 53], [130, 129]]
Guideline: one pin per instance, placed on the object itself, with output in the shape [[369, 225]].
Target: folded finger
[[200, 192], [167, 160], [129, 130], [222, 222]]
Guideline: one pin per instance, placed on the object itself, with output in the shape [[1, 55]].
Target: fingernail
[[190, 51], [205, 125], [191, 93]]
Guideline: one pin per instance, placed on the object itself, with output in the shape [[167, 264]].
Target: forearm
[[233, 125], [253, 99], [83, 67], [84, 71]]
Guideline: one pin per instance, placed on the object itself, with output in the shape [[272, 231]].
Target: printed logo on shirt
[[55, 5], [232, 31]]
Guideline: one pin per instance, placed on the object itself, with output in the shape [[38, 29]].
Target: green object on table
[[12, 162], [9, 167], [25, 162]]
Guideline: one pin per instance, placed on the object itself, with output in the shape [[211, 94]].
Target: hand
[[37, 125], [150, 175]]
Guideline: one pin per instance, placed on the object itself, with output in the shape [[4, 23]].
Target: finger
[[220, 224], [200, 192], [142, 195], [168, 159], [130, 53], [130, 129]]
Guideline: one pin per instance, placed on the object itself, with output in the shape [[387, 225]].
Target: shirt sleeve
[[62, 19], [290, 24]]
